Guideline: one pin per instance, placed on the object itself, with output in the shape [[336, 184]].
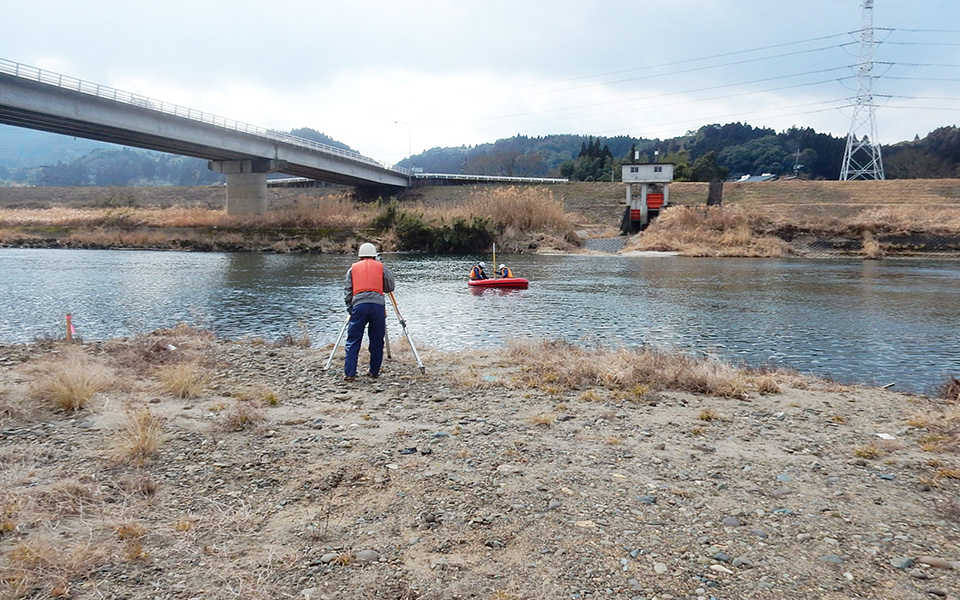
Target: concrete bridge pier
[[247, 183]]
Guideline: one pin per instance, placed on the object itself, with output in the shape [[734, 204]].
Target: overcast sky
[[388, 78]]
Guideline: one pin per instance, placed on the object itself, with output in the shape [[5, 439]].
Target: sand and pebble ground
[[276, 479]]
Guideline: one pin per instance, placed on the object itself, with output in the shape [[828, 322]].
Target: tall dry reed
[[710, 231], [522, 208], [333, 210]]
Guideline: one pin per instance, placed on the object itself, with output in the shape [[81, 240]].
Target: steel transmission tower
[[861, 159]]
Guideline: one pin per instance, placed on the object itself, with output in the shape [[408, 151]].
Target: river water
[[872, 322]]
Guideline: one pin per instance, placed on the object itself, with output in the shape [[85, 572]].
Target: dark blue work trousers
[[374, 317]]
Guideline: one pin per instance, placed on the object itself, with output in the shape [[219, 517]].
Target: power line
[[921, 78], [702, 58], [922, 97], [671, 73], [950, 44], [691, 91], [646, 73], [917, 30], [906, 64], [923, 107], [656, 106], [701, 120]]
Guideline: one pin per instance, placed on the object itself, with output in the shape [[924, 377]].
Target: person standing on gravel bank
[[367, 281]]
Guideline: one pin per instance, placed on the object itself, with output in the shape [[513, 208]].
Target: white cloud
[[469, 73]]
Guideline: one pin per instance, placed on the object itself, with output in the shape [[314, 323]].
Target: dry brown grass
[[521, 208], [193, 217], [335, 210], [184, 379], [942, 427], [754, 217], [543, 419], [708, 414], [41, 566], [13, 409], [710, 231], [868, 451], [139, 438], [562, 365], [71, 379], [851, 219], [300, 225], [950, 389], [243, 416], [258, 395], [143, 354], [516, 213], [871, 247]]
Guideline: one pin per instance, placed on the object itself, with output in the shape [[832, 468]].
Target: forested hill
[[710, 153]]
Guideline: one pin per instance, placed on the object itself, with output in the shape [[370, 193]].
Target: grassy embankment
[[520, 219], [783, 218]]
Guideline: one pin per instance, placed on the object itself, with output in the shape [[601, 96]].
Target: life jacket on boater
[[505, 271], [477, 272]]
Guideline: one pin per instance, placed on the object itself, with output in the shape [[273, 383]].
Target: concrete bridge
[[39, 99]]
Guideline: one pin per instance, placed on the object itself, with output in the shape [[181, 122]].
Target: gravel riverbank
[[272, 478]]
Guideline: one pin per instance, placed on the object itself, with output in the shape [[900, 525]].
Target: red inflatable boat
[[502, 282]]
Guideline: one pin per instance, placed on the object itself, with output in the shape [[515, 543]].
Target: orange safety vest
[[367, 276]]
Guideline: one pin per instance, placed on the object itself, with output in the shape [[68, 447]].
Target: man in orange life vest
[[367, 281], [477, 272]]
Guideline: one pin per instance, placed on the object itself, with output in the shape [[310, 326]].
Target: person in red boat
[[478, 271]]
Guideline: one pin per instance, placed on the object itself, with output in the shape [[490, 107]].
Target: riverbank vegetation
[[804, 219], [870, 219], [519, 219], [637, 373], [709, 231]]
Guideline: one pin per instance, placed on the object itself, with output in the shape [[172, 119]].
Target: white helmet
[[483, 265], [502, 266], [367, 250]]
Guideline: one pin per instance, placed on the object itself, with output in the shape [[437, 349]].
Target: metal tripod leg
[[386, 334], [343, 330], [403, 324]]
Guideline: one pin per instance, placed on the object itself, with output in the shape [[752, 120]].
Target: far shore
[[870, 220]]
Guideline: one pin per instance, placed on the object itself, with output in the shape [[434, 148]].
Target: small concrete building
[[652, 178]]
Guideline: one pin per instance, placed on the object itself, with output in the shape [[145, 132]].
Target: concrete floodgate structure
[[653, 179]]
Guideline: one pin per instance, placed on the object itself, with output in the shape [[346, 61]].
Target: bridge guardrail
[[102, 91], [502, 178]]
